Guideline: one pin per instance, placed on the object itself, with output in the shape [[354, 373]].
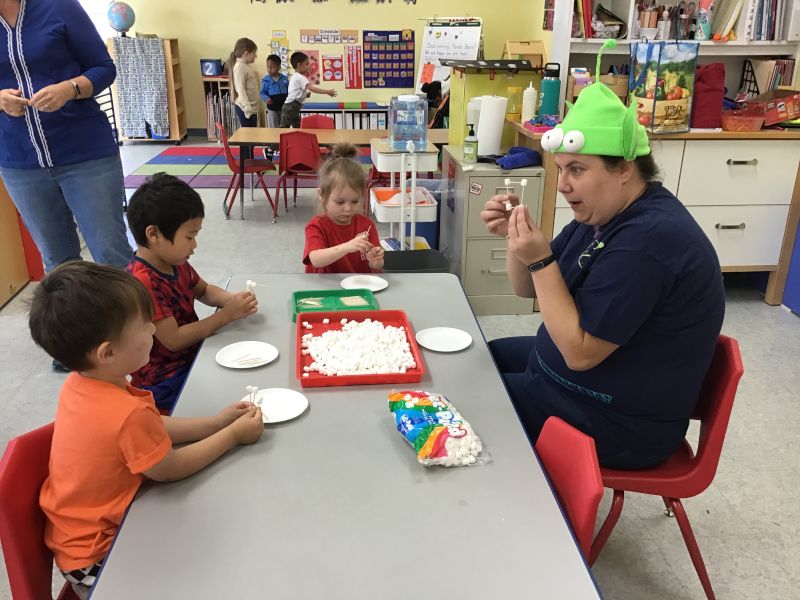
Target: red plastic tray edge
[[384, 316]]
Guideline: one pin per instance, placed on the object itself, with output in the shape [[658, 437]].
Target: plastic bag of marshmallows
[[435, 429]]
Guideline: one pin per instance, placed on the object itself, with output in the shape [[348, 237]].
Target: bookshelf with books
[[768, 29]]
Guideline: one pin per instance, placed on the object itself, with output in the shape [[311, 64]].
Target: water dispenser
[[408, 120]]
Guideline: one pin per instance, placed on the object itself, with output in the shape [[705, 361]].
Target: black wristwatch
[[537, 266]]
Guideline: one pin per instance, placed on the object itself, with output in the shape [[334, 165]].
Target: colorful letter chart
[[389, 59]]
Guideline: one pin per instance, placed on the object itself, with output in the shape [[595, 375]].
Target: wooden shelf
[[692, 135], [707, 48]]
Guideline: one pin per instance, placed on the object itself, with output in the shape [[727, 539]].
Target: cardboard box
[[775, 106], [617, 83]]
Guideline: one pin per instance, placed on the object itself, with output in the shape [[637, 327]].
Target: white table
[[334, 504]]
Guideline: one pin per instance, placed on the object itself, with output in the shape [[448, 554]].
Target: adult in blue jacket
[[630, 294], [58, 156]]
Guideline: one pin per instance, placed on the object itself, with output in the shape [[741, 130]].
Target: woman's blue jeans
[[52, 200]]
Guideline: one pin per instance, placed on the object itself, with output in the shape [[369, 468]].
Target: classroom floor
[[746, 523]]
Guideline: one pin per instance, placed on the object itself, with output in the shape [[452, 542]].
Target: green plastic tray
[[330, 300]]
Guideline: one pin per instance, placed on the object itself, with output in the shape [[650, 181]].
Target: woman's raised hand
[[495, 215]]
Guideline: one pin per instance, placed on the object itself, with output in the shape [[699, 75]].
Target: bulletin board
[[353, 74], [313, 74], [455, 38], [279, 44], [332, 68], [328, 36], [388, 58]]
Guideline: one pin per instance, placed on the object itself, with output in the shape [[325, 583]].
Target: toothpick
[[523, 183]]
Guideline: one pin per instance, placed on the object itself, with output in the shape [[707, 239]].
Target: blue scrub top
[[650, 282]]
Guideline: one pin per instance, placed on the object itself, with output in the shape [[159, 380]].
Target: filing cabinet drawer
[[486, 272], [744, 235], [728, 173], [483, 188]]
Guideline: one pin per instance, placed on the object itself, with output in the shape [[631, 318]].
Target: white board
[[454, 38]]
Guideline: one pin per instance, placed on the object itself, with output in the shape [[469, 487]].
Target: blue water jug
[[408, 121]]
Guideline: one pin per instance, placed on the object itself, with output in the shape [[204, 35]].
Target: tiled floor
[[746, 523]]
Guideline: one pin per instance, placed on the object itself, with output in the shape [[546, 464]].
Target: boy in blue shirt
[[274, 89]]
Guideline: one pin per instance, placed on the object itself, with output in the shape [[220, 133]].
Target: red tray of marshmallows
[[363, 342]]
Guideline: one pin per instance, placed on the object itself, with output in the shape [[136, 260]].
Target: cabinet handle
[[752, 161], [494, 271], [497, 253], [719, 226]]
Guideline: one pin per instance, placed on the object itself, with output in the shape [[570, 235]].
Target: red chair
[[685, 474], [252, 166], [317, 122], [299, 159], [570, 459], [29, 563]]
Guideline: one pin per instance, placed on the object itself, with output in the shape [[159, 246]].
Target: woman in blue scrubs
[[630, 293]]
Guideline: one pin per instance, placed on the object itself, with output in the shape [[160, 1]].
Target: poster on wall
[[457, 38], [313, 59], [328, 36], [389, 59], [332, 67], [353, 74], [279, 44]]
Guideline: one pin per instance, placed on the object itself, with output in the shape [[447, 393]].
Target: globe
[[120, 17]]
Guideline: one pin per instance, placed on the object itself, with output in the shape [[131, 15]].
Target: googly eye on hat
[[599, 124]]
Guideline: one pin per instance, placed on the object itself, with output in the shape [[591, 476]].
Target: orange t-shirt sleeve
[[143, 440], [315, 240]]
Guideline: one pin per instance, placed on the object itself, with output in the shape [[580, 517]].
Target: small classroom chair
[[29, 563], [570, 460], [685, 474], [252, 166], [318, 122], [299, 159]]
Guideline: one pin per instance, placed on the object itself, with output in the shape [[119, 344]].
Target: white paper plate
[[444, 339], [280, 404], [368, 282], [246, 355]]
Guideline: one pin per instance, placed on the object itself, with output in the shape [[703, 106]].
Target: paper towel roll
[[474, 111], [490, 128]]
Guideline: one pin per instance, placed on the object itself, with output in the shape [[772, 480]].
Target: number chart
[[389, 59]]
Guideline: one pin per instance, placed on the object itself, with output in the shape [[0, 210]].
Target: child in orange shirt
[[97, 320], [342, 240]]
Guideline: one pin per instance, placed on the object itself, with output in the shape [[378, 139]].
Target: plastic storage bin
[[408, 122], [385, 205]]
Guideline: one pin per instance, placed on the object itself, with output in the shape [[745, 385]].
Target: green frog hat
[[599, 124]]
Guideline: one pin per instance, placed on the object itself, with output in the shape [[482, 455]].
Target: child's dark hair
[[241, 46], [274, 59], [296, 58], [433, 90], [79, 305], [164, 201], [341, 169]]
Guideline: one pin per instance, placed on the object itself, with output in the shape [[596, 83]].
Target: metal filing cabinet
[[477, 257]]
